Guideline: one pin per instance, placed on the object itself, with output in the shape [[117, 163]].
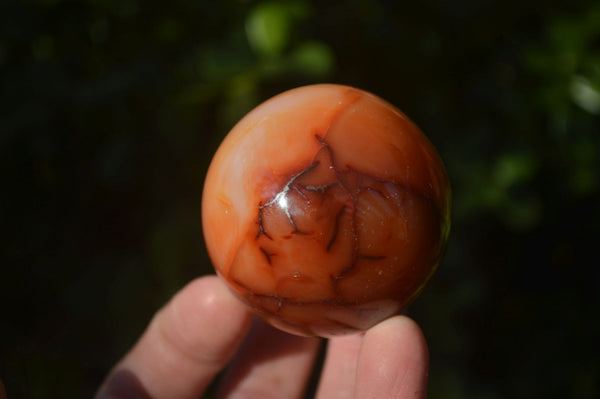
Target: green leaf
[[268, 28], [313, 58]]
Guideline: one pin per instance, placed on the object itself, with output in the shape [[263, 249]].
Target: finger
[[393, 361], [189, 341], [339, 370], [270, 364]]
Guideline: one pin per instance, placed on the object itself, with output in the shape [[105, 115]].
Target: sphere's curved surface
[[326, 210]]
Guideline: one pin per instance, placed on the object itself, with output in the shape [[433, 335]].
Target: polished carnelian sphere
[[326, 210]]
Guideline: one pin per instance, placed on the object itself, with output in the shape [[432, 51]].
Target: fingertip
[[338, 378], [402, 330], [204, 319], [393, 361]]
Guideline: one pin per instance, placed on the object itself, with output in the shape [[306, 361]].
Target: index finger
[[186, 344]]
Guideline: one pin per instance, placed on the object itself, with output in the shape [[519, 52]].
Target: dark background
[[112, 109]]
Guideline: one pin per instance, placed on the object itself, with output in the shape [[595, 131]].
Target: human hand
[[204, 328]]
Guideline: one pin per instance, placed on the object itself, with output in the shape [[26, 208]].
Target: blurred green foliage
[[111, 111]]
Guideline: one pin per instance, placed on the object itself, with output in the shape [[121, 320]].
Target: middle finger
[[270, 364], [339, 370]]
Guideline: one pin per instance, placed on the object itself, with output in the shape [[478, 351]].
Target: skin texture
[[205, 329], [326, 210]]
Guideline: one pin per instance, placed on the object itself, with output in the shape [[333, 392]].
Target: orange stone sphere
[[326, 210]]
